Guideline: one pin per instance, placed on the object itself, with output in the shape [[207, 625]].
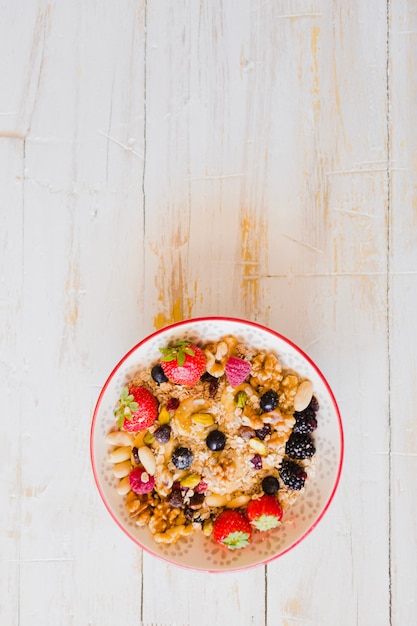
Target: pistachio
[[303, 396], [258, 445], [190, 481], [148, 438], [208, 527], [203, 418], [163, 417], [147, 458]]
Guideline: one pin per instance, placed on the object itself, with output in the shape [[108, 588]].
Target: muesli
[[215, 438]]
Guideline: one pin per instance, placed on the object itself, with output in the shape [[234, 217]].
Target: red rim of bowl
[[246, 323]]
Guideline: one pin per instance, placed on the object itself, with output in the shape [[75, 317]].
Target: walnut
[[266, 371], [287, 391]]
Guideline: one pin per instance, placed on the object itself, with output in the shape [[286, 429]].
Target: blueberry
[[216, 440], [270, 485], [182, 458], [163, 433], [269, 400], [158, 375]]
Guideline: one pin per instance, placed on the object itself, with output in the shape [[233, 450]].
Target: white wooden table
[[165, 159]]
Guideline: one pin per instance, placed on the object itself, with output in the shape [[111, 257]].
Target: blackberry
[[269, 400], [292, 475], [314, 404], [304, 424], [158, 375], [261, 433], [182, 458], [300, 446]]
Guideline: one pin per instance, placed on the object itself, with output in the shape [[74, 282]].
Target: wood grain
[[161, 160]]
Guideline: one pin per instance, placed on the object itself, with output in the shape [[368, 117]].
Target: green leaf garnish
[[125, 407], [177, 352]]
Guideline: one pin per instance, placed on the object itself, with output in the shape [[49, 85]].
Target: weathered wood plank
[[403, 296]]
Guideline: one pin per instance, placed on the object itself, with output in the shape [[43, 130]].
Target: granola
[[215, 444]]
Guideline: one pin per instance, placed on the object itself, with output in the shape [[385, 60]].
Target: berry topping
[[269, 400], [300, 446], [237, 370], [137, 409], [270, 485], [173, 404], [314, 404], [292, 475], [163, 433], [183, 363], [256, 462], [175, 499], [264, 513], [261, 433], [305, 423], [158, 375], [201, 487], [232, 529], [182, 458], [216, 440], [140, 481], [135, 454]]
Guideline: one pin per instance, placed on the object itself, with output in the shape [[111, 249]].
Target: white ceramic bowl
[[198, 552]]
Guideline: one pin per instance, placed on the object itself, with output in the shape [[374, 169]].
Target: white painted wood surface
[[165, 159]]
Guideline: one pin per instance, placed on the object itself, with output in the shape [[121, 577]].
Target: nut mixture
[[213, 444]]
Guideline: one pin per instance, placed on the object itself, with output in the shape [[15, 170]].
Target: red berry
[[140, 481], [137, 409], [264, 513], [237, 370], [173, 404], [183, 364], [232, 529], [201, 487]]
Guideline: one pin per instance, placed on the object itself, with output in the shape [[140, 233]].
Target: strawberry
[[183, 364], [232, 529], [265, 513], [137, 409], [237, 370]]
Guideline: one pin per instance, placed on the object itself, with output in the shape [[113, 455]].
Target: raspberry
[[201, 487], [237, 371], [140, 481]]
